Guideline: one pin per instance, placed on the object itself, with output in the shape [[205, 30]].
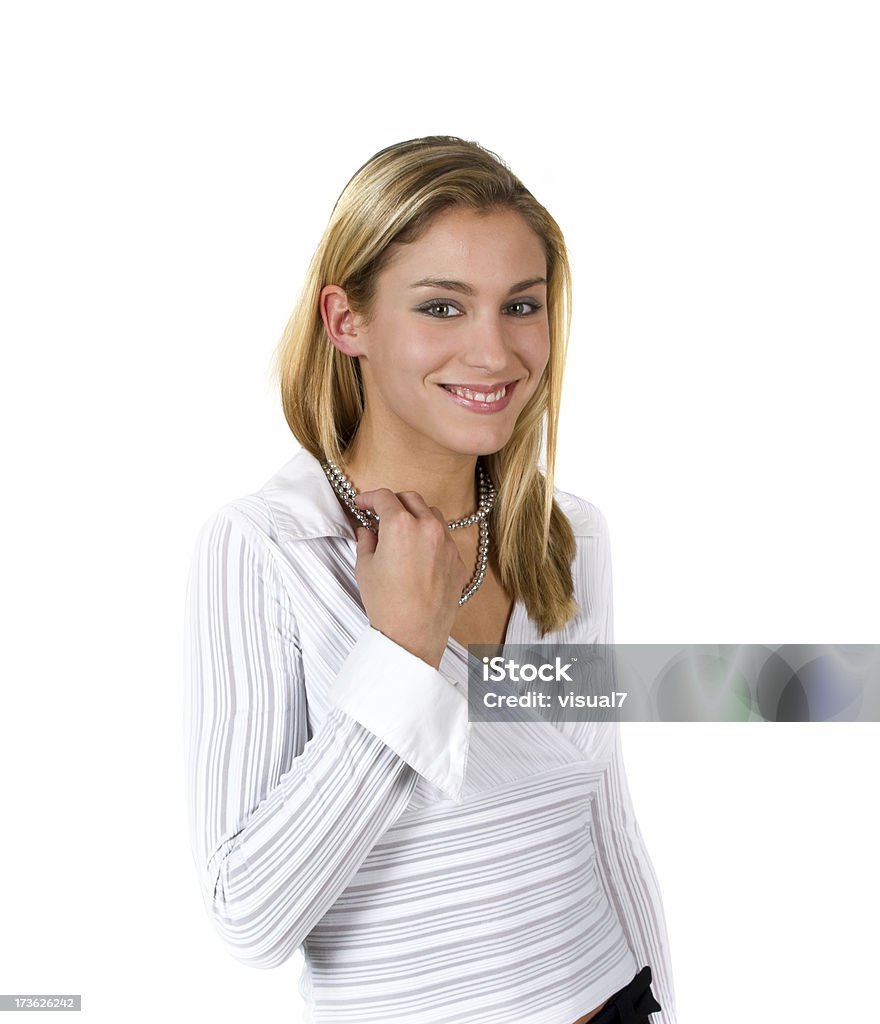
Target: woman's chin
[[479, 445]]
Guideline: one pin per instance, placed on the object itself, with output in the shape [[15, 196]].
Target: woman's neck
[[444, 479]]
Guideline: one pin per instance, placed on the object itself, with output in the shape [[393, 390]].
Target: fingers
[[385, 502], [366, 541], [417, 506], [382, 501], [437, 514]]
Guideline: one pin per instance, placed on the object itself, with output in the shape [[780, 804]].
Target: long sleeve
[[624, 864], [280, 822]]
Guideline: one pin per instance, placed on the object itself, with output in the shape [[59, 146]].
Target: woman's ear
[[340, 322]]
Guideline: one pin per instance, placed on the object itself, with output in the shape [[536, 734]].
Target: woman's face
[[462, 307]]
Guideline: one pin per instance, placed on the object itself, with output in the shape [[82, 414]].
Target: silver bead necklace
[[346, 491]]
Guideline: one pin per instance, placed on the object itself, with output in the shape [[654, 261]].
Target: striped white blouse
[[435, 871]]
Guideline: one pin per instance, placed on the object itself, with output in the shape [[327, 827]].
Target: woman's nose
[[487, 345]]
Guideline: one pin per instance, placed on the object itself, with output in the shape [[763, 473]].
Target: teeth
[[478, 396]]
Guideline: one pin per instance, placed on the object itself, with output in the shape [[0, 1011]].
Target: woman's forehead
[[496, 244]]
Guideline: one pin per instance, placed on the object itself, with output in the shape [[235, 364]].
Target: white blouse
[[434, 870]]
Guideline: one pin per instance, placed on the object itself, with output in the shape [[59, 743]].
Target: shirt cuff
[[409, 705]]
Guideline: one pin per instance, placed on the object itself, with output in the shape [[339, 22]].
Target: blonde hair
[[390, 201]]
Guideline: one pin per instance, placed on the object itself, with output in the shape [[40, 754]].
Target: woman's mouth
[[482, 400]]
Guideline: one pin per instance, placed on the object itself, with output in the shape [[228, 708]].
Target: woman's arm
[[280, 823]]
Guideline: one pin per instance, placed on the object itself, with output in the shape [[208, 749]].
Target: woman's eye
[[441, 310], [523, 308]]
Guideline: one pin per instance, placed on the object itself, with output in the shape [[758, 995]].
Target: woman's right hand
[[410, 574]]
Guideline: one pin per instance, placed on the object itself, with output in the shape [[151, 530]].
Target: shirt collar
[[305, 505], [303, 502]]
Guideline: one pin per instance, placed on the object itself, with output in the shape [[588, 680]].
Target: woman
[[433, 870]]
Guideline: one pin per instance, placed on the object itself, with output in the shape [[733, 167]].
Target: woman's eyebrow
[[466, 289]]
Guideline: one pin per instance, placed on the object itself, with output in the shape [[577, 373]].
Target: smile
[[481, 401]]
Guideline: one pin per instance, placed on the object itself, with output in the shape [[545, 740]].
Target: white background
[[167, 171]]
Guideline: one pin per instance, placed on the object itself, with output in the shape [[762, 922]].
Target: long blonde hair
[[390, 201]]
